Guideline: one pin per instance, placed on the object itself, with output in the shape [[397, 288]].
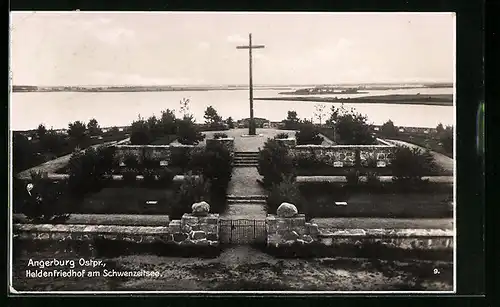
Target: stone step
[[232, 196], [245, 165], [245, 158], [246, 201], [246, 153]]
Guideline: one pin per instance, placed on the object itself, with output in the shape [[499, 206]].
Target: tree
[[52, 142], [41, 131], [211, 116], [153, 127], [308, 134], [388, 129], [187, 132], [230, 122], [292, 121], [23, 153], [446, 139], [440, 128], [275, 163], [409, 165], [77, 131], [140, 134], [184, 107], [93, 127], [351, 128], [167, 122], [319, 112]]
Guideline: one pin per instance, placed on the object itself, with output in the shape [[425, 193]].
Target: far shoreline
[[432, 100]]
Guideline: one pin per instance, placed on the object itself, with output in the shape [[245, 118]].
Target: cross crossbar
[[251, 47]]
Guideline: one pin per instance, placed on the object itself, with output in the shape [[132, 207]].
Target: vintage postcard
[[232, 152]]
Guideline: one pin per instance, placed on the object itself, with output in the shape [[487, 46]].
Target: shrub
[[193, 189], [165, 177], [187, 132], [220, 135], [85, 174], [373, 180], [140, 133], [352, 177], [149, 177], [409, 165], [106, 161], [131, 161], [281, 135], [285, 191], [275, 163], [215, 163], [45, 200], [129, 175], [149, 162], [308, 135], [180, 157]]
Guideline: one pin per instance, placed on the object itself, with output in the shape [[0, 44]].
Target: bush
[[192, 190], [181, 158], [275, 163], [140, 133], [187, 132], [131, 161], [281, 135], [409, 165], [165, 177], [85, 173], [308, 135], [220, 135], [285, 191], [373, 180], [46, 200], [129, 175], [149, 177], [352, 177], [148, 162], [106, 161]]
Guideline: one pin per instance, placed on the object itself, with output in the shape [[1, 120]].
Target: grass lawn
[[359, 204], [164, 140], [421, 140], [127, 200]]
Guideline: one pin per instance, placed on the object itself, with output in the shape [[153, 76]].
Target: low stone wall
[[151, 152], [189, 231], [288, 231], [344, 155]]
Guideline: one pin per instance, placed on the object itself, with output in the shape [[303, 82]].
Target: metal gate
[[242, 231]]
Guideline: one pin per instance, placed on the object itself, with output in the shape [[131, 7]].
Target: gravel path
[[53, 165], [445, 162]]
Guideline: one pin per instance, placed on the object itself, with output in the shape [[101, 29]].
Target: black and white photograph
[[232, 152]]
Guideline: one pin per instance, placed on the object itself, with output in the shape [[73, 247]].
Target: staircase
[[246, 159], [246, 199]]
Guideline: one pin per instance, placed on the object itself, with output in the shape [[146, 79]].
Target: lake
[[57, 109]]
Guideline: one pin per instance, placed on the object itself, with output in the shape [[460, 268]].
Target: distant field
[[435, 99]]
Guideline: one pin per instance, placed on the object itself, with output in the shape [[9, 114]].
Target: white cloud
[[236, 38], [114, 34], [203, 45], [109, 78]]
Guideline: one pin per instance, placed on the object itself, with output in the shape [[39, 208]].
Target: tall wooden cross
[[251, 125]]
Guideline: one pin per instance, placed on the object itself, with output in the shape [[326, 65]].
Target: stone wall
[[152, 152], [288, 231], [189, 231], [344, 155]]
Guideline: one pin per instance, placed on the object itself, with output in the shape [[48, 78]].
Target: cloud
[[203, 45], [236, 38], [114, 34], [110, 78]]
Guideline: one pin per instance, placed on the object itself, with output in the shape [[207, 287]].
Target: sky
[[76, 48]]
